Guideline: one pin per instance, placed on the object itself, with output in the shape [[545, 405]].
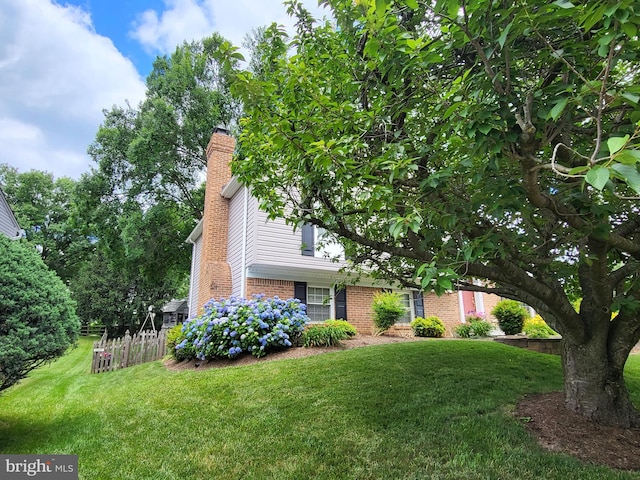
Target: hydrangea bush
[[229, 327]]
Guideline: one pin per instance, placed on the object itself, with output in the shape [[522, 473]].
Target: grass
[[423, 410]]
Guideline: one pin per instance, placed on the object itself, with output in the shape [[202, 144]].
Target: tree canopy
[[146, 193], [447, 142]]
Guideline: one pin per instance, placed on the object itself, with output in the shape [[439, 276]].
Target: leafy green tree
[[450, 141], [46, 209], [37, 316], [147, 191]]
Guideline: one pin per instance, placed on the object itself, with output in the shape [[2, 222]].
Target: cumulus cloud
[[56, 77], [187, 20]]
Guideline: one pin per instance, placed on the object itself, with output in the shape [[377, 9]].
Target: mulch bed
[[559, 430]]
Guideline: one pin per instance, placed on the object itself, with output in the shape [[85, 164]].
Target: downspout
[[243, 261], [461, 306]]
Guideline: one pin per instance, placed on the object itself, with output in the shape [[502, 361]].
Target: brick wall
[[359, 313], [445, 307], [215, 273], [270, 288]]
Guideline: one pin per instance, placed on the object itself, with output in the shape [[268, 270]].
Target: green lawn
[[423, 410]]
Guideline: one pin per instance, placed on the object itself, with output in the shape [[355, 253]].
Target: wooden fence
[[146, 346], [86, 330]]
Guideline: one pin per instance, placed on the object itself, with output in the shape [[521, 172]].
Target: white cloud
[[161, 32], [56, 77]]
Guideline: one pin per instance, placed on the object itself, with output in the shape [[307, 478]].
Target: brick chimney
[[215, 272]]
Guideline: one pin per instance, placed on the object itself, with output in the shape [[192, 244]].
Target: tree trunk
[[594, 384]]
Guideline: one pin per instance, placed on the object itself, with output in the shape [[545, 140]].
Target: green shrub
[[536, 327], [174, 337], [480, 328], [463, 330], [38, 320], [428, 327], [323, 335], [510, 315], [387, 309], [474, 329], [349, 329]]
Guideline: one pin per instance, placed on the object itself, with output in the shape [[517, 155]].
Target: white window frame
[[330, 303]]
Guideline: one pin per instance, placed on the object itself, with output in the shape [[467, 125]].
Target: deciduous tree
[[450, 141]]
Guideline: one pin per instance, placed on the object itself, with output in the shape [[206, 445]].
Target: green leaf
[[445, 283], [632, 97], [412, 4], [558, 108], [629, 29], [503, 35], [616, 143], [629, 174], [597, 177], [486, 128], [628, 157]]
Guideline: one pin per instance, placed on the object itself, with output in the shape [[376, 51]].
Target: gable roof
[[8, 224]]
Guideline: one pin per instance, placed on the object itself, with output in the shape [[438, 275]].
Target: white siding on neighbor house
[[194, 284], [8, 224], [277, 244], [235, 240]]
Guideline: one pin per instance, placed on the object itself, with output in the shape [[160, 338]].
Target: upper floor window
[[317, 242]]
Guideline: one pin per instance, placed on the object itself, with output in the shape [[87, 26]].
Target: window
[[406, 302], [317, 242], [318, 303], [414, 305]]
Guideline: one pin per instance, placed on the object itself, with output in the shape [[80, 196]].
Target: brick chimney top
[[221, 130]]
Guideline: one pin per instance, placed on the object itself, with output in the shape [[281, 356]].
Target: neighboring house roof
[[8, 224], [175, 306]]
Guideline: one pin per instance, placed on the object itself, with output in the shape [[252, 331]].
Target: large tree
[[146, 193], [447, 142], [46, 209]]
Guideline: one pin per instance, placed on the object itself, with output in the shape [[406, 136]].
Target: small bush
[[323, 335], [236, 325], [474, 329], [480, 328], [463, 330], [536, 327], [428, 327], [348, 329], [510, 315], [174, 337], [387, 309]]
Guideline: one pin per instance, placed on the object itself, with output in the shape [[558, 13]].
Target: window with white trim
[[406, 302], [318, 303]]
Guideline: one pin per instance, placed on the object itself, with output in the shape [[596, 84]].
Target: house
[[174, 313], [8, 223], [238, 251]]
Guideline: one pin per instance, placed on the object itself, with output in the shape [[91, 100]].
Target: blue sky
[[62, 62]]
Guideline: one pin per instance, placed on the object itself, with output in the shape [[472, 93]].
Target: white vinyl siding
[[8, 224], [277, 244], [235, 240], [195, 277]]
